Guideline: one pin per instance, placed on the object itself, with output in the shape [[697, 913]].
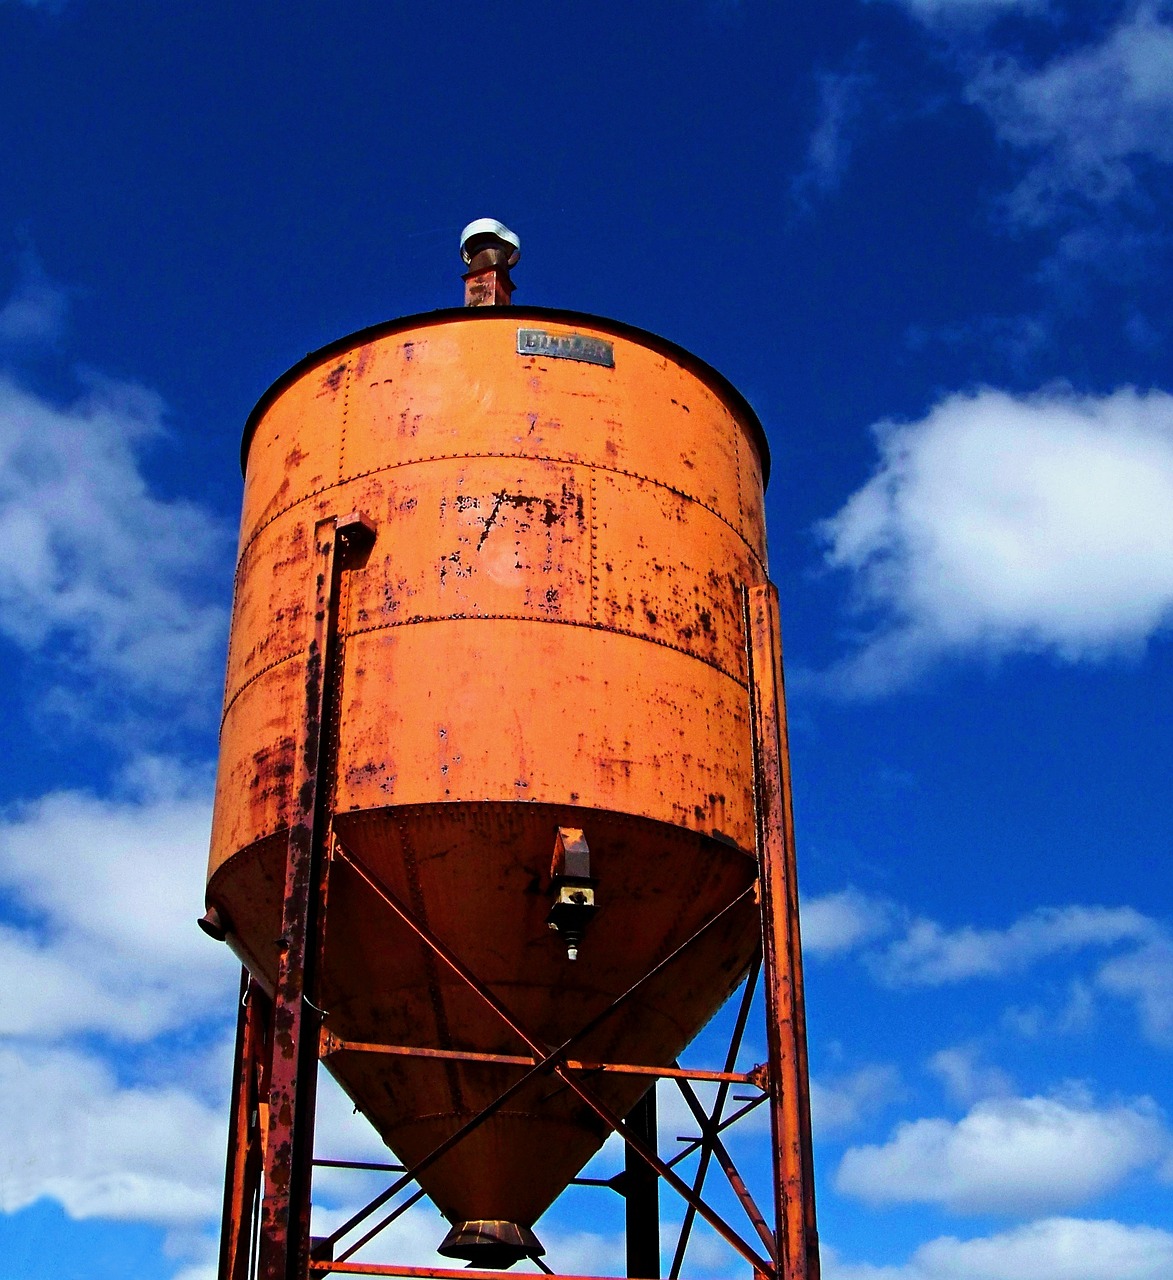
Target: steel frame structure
[[281, 1038]]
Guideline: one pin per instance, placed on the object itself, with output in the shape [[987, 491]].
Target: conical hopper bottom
[[477, 876]]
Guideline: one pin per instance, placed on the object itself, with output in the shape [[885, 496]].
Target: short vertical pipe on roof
[[490, 249]]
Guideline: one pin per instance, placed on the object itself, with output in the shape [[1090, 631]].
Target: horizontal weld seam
[[256, 675], [557, 622], [501, 617], [520, 457]]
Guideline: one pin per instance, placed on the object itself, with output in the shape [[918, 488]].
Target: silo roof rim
[[512, 314]]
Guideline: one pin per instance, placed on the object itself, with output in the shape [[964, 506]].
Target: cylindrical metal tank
[[546, 633]]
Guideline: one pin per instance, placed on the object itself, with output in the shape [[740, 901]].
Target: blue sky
[[929, 240]]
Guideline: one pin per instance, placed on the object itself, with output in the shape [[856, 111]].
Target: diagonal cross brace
[[740, 1190], [379, 1226], [543, 1066], [714, 1121], [695, 1144], [551, 1057]]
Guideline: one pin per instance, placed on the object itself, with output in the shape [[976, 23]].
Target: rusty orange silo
[[488, 636]]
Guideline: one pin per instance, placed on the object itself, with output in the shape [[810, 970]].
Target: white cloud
[[1051, 1249], [107, 892], [1000, 523], [1145, 976], [73, 1135], [930, 955], [967, 1080], [1008, 1155], [1092, 117], [112, 589], [840, 1103], [842, 921], [94, 569]]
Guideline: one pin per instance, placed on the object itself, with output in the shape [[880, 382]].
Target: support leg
[[285, 1210], [641, 1189], [785, 1013], [243, 1170]]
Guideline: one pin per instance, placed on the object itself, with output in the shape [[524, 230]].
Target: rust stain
[[333, 380]]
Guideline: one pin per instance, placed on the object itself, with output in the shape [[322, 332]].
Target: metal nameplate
[[566, 346]]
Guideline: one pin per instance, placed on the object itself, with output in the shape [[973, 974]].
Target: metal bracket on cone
[[573, 888]]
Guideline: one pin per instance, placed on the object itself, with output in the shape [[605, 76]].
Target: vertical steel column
[[243, 1166], [795, 1225], [641, 1190], [285, 1210]]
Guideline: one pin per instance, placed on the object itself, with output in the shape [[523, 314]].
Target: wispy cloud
[[1014, 341], [35, 312], [1075, 1015], [1085, 129], [904, 951], [841, 100], [968, 13], [841, 921], [930, 955], [1090, 119], [1145, 977], [1000, 524], [840, 1103], [1009, 1155], [966, 1079]]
